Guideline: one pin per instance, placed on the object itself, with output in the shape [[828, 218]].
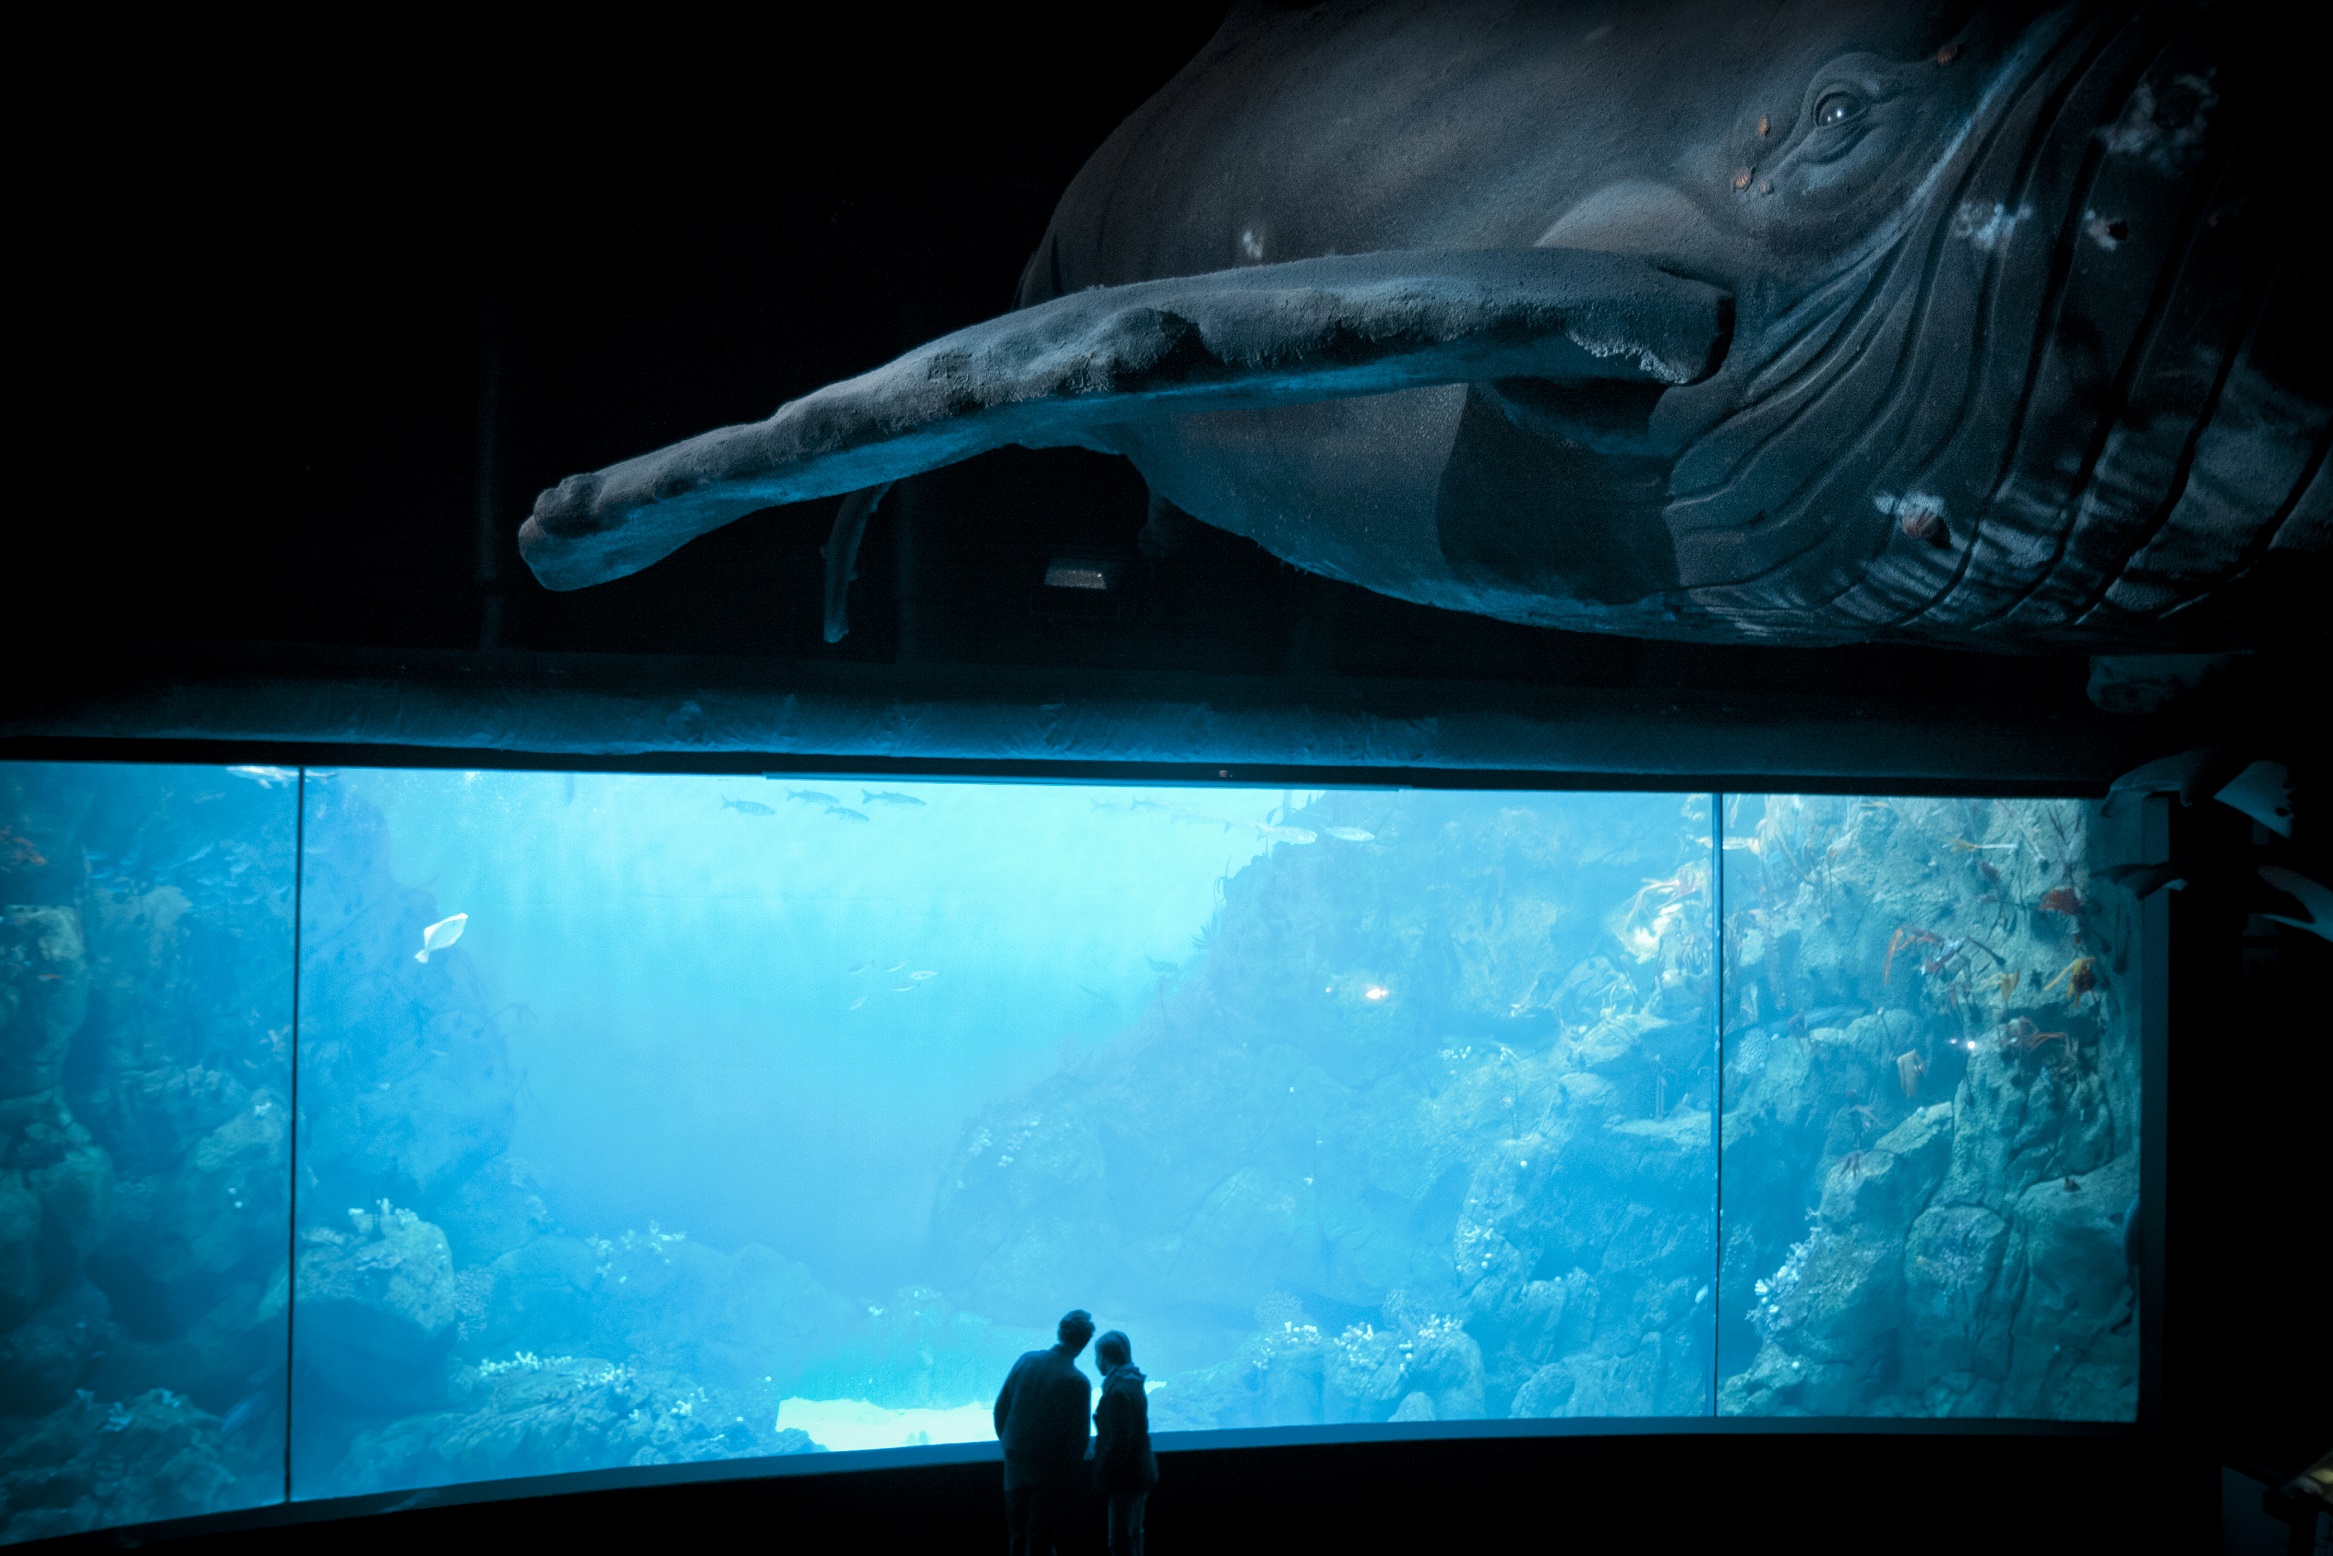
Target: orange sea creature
[[1909, 1069], [1906, 936], [2020, 1035], [18, 852], [2080, 977], [2062, 900]]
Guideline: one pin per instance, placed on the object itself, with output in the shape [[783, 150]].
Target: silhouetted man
[[1041, 1420], [1124, 1467]]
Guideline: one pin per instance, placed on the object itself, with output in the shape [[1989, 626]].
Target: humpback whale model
[[1814, 323]]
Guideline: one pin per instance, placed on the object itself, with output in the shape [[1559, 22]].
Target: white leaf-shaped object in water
[[441, 934]]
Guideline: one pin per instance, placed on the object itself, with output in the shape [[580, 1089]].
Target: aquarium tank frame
[[2078, 776]]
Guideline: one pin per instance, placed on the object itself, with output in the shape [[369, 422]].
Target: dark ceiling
[[308, 279]]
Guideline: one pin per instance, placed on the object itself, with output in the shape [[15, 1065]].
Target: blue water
[[748, 1117], [696, 1044]]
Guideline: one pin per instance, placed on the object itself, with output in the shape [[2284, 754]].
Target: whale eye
[[1837, 108]]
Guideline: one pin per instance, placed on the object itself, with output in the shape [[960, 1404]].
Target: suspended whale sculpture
[[1801, 323]]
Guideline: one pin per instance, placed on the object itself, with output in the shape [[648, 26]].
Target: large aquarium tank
[[375, 1129]]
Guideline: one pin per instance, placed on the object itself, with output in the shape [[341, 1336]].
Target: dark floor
[[1805, 1493]]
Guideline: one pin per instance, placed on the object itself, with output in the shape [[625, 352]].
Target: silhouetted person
[[1041, 1420], [1124, 1467]]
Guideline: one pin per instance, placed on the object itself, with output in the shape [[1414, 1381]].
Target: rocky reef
[[1931, 1143], [1457, 1134], [1438, 1096], [449, 1327], [145, 1032]]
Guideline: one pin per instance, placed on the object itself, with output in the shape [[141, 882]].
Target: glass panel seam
[[1717, 958], [292, 1150]]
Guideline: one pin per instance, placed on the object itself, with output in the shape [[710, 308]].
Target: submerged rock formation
[[1463, 1132], [145, 945], [1463, 1136], [1926, 1202]]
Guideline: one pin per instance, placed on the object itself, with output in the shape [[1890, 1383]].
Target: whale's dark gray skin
[[1993, 325]]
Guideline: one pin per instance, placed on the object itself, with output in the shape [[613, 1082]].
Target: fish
[[243, 1411], [896, 967], [265, 777], [441, 934], [1962, 845], [845, 812], [812, 797], [886, 797], [748, 807], [855, 1004], [853, 972], [1181, 813], [1350, 834], [1909, 1068], [918, 977], [905, 988]]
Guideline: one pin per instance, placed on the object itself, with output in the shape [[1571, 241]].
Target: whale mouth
[[1642, 219]]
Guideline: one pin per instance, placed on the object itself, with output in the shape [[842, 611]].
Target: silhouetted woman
[[1124, 1467]]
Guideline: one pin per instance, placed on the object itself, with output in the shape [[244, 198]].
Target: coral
[[538, 1415], [1932, 1111], [89, 1464]]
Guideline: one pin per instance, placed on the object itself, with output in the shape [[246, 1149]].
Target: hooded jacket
[[1123, 1461]]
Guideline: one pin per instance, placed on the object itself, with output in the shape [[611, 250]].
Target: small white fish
[[919, 977], [861, 1000], [905, 988], [853, 972], [265, 777], [1350, 834], [895, 967], [441, 934]]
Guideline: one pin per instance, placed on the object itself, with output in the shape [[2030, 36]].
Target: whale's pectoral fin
[[842, 556], [1064, 371]]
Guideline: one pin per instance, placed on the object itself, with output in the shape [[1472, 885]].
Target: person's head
[[1077, 1327], [1114, 1350]]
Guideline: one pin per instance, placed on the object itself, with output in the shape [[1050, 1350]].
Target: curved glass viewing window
[[655, 1119]]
